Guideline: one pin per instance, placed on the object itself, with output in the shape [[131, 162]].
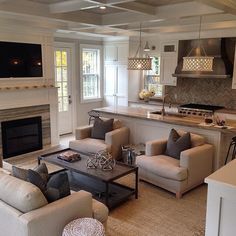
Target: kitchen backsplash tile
[[203, 91]]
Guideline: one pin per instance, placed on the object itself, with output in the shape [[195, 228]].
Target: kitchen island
[[145, 126]]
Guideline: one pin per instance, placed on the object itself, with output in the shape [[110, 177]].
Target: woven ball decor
[[84, 227]]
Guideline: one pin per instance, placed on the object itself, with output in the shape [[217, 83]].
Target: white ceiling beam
[[69, 6], [228, 6], [136, 7], [163, 12]]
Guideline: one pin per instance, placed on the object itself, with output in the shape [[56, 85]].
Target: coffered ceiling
[[122, 17]]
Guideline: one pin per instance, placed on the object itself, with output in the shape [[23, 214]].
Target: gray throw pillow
[[42, 170], [56, 188], [176, 144], [100, 128], [20, 173], [36, 179], [60, 182]]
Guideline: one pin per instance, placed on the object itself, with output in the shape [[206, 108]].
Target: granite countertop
[[175, 118], [159, 103]]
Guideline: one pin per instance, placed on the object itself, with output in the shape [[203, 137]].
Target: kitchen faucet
[[163, 112]]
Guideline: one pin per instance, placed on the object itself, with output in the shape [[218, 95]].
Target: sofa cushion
[[163, 166], [20, 194], [101, 127], [176, 144], [196, 140], [89, 145]]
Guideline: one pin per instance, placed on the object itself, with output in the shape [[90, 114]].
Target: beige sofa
[[113, 140], [24, 211], [177, 176]]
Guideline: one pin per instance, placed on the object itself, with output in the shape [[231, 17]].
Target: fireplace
[[21, 136]]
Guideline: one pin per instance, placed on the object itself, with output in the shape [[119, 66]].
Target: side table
[[84, 227], [129, 152]]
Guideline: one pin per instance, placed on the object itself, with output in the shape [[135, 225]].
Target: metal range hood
[[221, 49]]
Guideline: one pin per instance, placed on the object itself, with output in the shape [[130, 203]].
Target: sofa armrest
[[155, 147], [116, 138], [52, 218], [198, 161], [83, 132]]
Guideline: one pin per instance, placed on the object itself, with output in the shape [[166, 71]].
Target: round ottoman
[[84, 227]]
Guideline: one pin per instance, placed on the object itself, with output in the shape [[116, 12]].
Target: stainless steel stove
[[198, 109]]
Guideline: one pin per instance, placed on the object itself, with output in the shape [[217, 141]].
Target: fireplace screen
[[21, 136]]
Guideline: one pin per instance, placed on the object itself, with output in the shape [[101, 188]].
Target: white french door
[[63, 75]]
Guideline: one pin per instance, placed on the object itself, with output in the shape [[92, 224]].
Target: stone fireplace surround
[[18, 103]]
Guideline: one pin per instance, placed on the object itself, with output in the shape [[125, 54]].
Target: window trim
[[98, 47]]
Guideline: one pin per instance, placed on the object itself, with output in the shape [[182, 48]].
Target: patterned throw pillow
[[176, 144], [100, 128]]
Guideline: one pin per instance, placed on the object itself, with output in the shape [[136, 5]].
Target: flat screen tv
[[19, 60]]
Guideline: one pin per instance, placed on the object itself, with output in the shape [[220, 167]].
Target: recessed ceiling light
[[103, 7]]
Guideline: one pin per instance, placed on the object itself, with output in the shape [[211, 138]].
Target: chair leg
[[178, 195]]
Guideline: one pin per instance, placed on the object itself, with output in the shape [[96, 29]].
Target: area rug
[[158, 213], [155, 213]]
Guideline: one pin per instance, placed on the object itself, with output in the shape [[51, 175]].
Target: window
[[90, 70], [152, 78]]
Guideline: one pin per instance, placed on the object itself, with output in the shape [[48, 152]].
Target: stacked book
[[69, 156]]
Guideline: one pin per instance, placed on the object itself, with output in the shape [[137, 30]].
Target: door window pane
[[61, 73]]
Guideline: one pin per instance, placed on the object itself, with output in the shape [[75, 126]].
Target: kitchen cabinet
[[116, 74], [116, 53], [234, 71], [116, 85], [221, 201], [168, 66], [169, 60]]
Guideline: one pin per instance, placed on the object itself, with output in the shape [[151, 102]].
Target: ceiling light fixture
[[199, 62], [146, 47], [138, 62], [103, 7]]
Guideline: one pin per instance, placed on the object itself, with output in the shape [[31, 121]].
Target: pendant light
[[200, 61], [138, 62]]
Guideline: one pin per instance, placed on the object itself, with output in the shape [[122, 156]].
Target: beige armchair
[[177, 176], [113, 140]]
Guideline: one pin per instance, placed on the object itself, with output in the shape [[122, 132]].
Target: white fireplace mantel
[[16, 98]]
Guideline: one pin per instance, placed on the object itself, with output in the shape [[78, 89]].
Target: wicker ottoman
[[84, 227]]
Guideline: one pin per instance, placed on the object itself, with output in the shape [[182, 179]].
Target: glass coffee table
[[102, 184]]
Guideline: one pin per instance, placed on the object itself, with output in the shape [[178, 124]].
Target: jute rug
[[155, 213]]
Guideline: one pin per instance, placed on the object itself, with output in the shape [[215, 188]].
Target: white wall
[[23, 92], [81, 109]]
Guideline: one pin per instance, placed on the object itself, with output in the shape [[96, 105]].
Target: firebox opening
[[21, 136]]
